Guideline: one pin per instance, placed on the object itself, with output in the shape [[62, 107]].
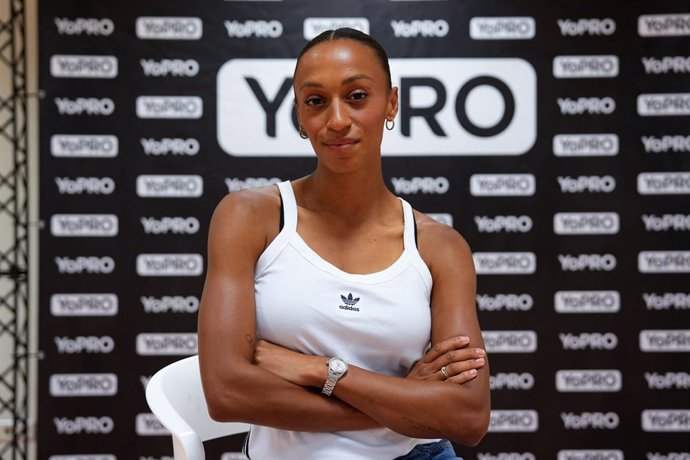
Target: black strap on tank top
[[416, 243], [282, 214]]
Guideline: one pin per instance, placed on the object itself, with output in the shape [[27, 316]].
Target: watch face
[[338, 366]]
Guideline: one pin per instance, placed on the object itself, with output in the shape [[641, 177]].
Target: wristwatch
[[336, 369]]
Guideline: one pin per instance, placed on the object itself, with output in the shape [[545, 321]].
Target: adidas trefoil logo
[[349, 302]]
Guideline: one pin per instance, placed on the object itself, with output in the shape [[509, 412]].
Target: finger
[[463, 366], [456, 356], [454, 343], [463, 377]]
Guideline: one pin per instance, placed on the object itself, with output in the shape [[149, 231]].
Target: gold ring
[[445, 372]]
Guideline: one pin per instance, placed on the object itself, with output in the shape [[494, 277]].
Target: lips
[[340, 142]]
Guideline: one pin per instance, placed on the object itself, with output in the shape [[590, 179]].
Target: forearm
[[256, 396], [423, 409]]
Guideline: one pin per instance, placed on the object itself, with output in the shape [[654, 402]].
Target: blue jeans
[[440, 450]]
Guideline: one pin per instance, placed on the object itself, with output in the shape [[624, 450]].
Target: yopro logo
[[666, 64], [663, 183], [507, 302], [170, 186], [82, 265], [169, 28], [513, 421], [83, 66], [589, 380], [170, 107], [666, 222], [587, 105], [585, 66], [420, 28], [511, 381], [587, 301], [665, 144], [254, 28], [88, 185], [314, 26], [591, 184], [666, 340], [667, 301], [170, 146], [83, 425], [586, 26], [590, 420], [506, 456], [169, 67], [667, 380], [86, 26], [671, 420], [84, 344], [170, 304], [85, 105], [502, 184], [447, 106], [664, 104], [426, 185], [76, 385], [510, 341], [83, 225], [83, 146], [509, 224], [663, 262], [589, 340], [663, 25], [585, 145], [505, 263], [587, 262], [83, 304], [166, 344], [586, 223], [170, 225], [170, 264], [502, 28], [591, 454], [148, 425]]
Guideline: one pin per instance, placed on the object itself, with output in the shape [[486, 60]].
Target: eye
[[313, 101], [358, 95]]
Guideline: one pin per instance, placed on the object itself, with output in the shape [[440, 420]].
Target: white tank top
[[379, 321]]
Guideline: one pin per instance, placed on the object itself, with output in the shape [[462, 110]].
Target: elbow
[[471, 429], [223, 407]]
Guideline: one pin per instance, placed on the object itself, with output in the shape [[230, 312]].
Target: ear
[[392, 107]]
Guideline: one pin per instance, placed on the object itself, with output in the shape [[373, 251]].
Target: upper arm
[[238, 234], [453, 296]]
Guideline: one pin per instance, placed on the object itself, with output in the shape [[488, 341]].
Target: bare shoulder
[[247, 216], [440, 245], [254, 204]]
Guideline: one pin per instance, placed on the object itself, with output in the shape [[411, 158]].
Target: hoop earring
[[302, 134], [390, 124]]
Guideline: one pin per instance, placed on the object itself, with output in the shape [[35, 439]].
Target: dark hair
[[346, 33]]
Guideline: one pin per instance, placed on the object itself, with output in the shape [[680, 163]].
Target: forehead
[[342, 57]]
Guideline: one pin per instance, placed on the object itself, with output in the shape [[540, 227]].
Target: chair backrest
[[176, 398]]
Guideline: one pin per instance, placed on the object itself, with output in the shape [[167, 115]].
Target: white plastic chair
[[176, 398]]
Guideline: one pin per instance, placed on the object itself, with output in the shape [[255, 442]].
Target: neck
[[356, 196]]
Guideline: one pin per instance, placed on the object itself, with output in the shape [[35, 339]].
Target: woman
[[323, 295]]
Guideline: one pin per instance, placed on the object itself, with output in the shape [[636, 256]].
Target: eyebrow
[[350, 79]]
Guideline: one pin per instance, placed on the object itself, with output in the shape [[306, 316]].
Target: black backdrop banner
[[554, 136]]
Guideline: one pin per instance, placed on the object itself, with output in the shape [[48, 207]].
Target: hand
[[461, 363], [295, 367]]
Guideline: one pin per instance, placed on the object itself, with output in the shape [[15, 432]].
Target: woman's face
[[343, 100]]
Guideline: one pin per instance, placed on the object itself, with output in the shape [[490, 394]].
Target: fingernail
[[479, 361], [472, 371], [480, 352], [463, 338]]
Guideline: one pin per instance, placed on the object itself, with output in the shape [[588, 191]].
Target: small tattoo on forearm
[[420, 426]]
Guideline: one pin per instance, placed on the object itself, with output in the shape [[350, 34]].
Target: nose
[[338, 116]]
